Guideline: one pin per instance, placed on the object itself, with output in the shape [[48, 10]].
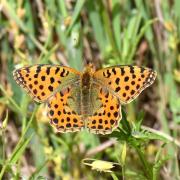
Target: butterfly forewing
[[127, 82], [41, 81]]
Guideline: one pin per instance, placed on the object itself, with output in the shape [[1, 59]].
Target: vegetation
[[146, 33]]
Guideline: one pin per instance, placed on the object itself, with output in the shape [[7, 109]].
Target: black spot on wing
[[116, 114], [55, 120], [126, 78], [117, 89], [127, 87], [117, 81], [109, 114], [100, 127], [27, 70], [43, 78], [131, 69], [48, 70], [62, 74], [133, 76], [35, 91], [112, 122], [52, 80], [94, 121], [75, 120], [132, 92], [41, 87], [51, 112], [56, 106], [57, 70], [142, 69], [108, 74], [111, 107], [50, 88], [38, 70], [138, 86], [36, 75], [122, 71], [68, 125], [114, 71]]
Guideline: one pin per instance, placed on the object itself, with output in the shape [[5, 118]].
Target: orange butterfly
[[91, 99]]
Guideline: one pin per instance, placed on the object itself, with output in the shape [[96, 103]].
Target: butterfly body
[[86, 84], [91, 99]]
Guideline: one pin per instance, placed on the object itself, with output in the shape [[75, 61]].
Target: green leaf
[[20, 150], [97, 25], [78, 7]]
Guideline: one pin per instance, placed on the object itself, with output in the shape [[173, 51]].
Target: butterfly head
[[89, 68]]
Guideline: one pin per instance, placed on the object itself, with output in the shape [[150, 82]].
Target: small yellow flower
[[41, 114], [21, 12], [151, 149], [48, 150], [123, 154], [67, 21], [169, 26], [100, 165], [177, 75]]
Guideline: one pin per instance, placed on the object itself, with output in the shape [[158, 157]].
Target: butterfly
[[89, 99]]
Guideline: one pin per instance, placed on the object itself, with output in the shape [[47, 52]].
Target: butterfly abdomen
[[85, 93]]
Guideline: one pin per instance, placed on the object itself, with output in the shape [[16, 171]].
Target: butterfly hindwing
[[41, 81], [63, 111], [106, 111], [127, 82]]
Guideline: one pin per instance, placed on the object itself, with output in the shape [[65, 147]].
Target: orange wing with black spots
[[127, 82], [41, 81], [63, 110], [106, 111], [90, 99]]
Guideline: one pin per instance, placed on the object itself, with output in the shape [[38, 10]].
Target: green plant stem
[[34, 174], [22, 26], [164, 135], [27, 127], [17, 147], [10, 99], [79, 5], [3, 170], [109, 31], [123, 172], [146, 167]]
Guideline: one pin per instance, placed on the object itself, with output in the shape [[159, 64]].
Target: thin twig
[[160, 133], [101, 147], [158, 10], [111, 142], [62, 59]]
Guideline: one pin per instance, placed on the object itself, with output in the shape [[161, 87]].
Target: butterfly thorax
[[86, 79]]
